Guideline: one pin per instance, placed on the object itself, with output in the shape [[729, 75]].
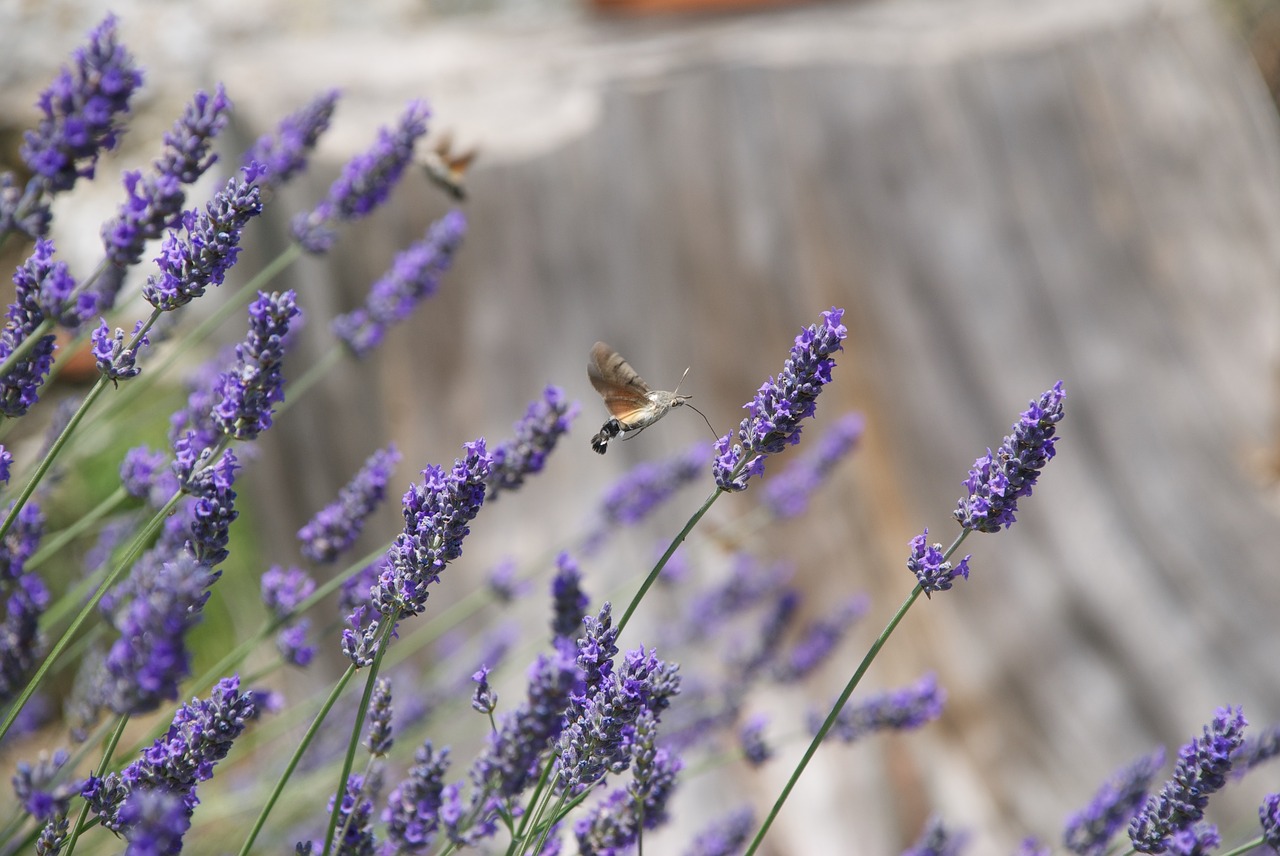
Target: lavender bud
[[355, 816], [931, 571], [6, 461], [379, 739], [818, 640], [82, 110], [1199, 840], [483, 699], [115, 360], [24, 598], [781, 405], [998, 481], [248, 393], [37, 787], [19, 388], [641, 491], [337, 526], [285, 153]]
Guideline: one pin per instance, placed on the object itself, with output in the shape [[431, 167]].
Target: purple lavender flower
[[998, 481], [283, 591], [818, 640], [902, 709], [200, 736], [775, 414], [510, 760], [39, 787], [214, 508], [115, 359], [570, 601], [1089, 831], [53, 289], [82, 110], [285, 153], [937, 840], [503, 582], [24, 210], [787, 495], [1031, 847], [1199, 840], [614, 824], [211, 246], [645, 488], [413, 808], [25, 599], [355, 817], [196, 419], [6, 461], [154, 202], [437, 514], [293, 644], [725, 837], [933, 573], [380, 739], [1202, 768], [484, 699], [248, 393], [749, 661], [365, 183], [53, 837], [152, 611], [1256, 750], [752, 743], [748, 584], [19, 388], [145, 474], [1269, 817], [153, 822], [337, 526], [536, 435], [414, 276]]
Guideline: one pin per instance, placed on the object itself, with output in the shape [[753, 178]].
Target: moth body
[[632, 405]]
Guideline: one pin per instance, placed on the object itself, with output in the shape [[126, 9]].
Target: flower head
[[366, 181], [414, 276], [903, 709], [927, 563], [213, 511], [1269, 817], [6, 461], [1202, 768], [337, 526], [38, 282], [116, 359], [536, 434], [153, 822], [83, 108], [726, 836], [998, 481], [248, 393], [40, 788], [569, 600], [23, 598], [818, 640], [787, 494], [413, 807], [781, 405], [154, 202], [285, 153], [380, 739], [646, 487], [483, 699], [1089, 831], [212, 244]]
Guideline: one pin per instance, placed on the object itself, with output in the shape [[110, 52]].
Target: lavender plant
[[589, 747]]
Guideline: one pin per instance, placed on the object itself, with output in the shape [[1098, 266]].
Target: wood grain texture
[[1001, 195]]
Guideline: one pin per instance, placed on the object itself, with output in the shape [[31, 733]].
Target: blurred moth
[[449, 170], [632, 405]]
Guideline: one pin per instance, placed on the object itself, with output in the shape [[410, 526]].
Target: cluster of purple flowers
[[285, 152], [1088, 832], [24, 597], [781, 405], [927, 561], [899, 710], [43, 288], [365, 182], [545, 422], [247, 394], [414, 276], [116, 359], [334, 528], [283, 591]]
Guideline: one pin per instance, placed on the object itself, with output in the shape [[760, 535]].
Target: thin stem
[[835, 712], [110, 749], [42, 329], [296, 758]]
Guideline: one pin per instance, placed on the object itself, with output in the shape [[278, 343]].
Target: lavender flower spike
[[1088, 832], [285, 152], [39, 282], [903, 709], [154, 202], [998, 481], [115, 360], [366, 181], [414, 276], [153, 822], [775, 414], [1202, 768], [436, 515], [1269, 817], [536, 435], [337, 526], [933, 573], [413, 807], [24, 599], [82, 110], [248, 393], [211, 246], [787, 494]]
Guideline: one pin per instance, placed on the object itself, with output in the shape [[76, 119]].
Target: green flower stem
[[126, 561], [103, 766], [42, 329], [297, 757], [386, 632]]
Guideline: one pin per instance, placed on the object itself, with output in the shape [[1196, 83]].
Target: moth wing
[[624, 392], [459, 164]]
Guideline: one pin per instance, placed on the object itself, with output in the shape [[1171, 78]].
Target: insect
[[632, 405], [448, 170]]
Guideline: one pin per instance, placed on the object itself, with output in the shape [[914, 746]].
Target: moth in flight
[[632, 405]]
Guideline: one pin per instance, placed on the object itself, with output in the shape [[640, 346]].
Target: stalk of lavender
[[83, 111], [1089, 831], [414, 276], [335, 528], [365, 183], [248, 393], [286, 151], [25, 598], [1028, 448], [535, 437]]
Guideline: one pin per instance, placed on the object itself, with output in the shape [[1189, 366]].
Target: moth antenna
[[704, 418], [682, 377]]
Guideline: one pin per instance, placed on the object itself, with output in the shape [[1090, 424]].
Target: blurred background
[[1000, 193]]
